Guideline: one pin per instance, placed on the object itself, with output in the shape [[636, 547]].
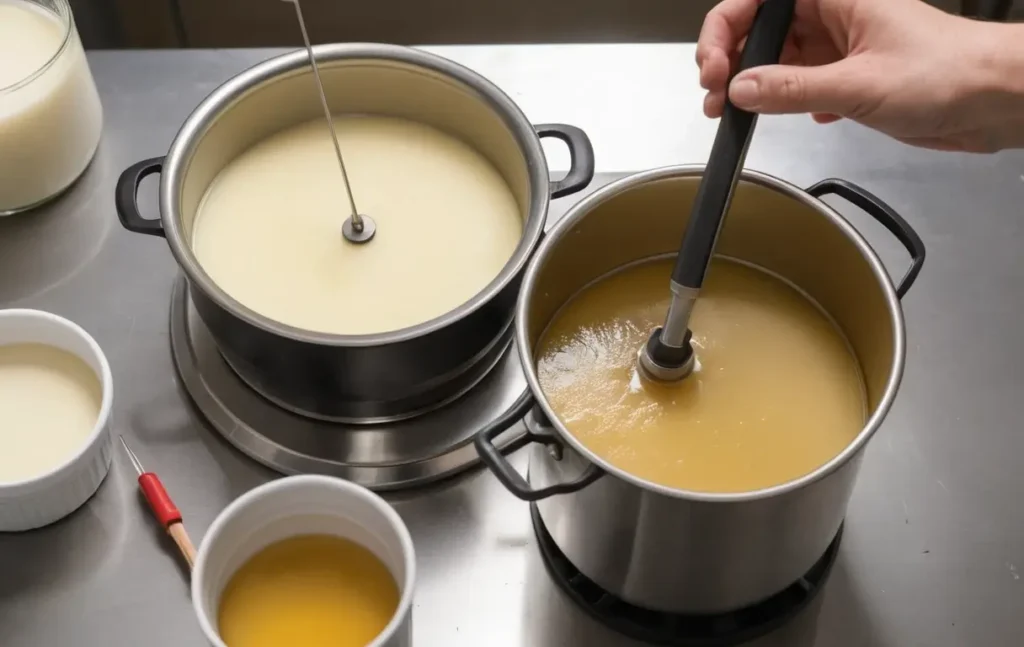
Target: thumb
[[783, 89]]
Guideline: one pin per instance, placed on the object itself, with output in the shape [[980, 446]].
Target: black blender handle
[[764, 47]]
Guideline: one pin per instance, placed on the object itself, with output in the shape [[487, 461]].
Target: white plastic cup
[[48, 497], [304, 505]]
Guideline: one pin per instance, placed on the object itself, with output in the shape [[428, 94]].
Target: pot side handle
[[503, 470], [126, 197], [581, 158], [886, 216]]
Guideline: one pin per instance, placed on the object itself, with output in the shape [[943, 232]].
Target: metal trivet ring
[[386, 456]]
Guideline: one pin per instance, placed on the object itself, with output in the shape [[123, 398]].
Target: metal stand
[[388, 456]]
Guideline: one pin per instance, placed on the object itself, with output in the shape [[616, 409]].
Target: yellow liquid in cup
[[777, 394], [308, 591]]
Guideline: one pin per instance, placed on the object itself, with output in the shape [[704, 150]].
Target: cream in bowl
[[268, 230], [306, 560], [776, 394], [55, 397]]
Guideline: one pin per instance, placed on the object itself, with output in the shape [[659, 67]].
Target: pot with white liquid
[[716, 519], [252, 204]]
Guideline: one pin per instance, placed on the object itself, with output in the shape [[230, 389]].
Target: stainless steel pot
[[357, 378], [689, 552]]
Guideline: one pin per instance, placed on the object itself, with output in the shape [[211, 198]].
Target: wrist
[[998, 87], [1001, 60]]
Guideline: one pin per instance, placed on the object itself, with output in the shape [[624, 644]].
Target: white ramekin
[[46, 498], [304, 505]]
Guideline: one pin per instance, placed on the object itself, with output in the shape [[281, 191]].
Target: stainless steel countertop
[[934, 546]]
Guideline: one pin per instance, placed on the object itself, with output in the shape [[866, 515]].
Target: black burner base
[[679, 630]]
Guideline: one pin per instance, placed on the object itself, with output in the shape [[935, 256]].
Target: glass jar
[[50, 113]]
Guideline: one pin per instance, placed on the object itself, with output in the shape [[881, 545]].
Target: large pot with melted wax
[[713, 493]]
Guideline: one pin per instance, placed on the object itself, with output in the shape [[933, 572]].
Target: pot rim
[[580, 210], [235, 89]]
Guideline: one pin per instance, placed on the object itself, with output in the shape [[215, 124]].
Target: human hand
[[902, 67]]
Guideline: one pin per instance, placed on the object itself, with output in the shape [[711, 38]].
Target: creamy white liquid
[[49, 405], [50, 119], [269, 228]]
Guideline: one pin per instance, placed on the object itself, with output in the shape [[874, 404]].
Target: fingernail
[[745, 93]]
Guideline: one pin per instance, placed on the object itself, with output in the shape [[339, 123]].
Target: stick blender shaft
[[357, 228], [668, 355]]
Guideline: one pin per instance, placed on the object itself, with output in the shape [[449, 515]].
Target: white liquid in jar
[[49, 404], [50, 113]]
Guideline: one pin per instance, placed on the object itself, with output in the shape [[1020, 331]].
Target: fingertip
[[714, 73], [825, 118], [704, 54], [705, 72], [745, 92], [714, 104], [706, 42]]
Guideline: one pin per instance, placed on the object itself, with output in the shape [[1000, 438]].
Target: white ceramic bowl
[[304, 505], [46, 498]]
